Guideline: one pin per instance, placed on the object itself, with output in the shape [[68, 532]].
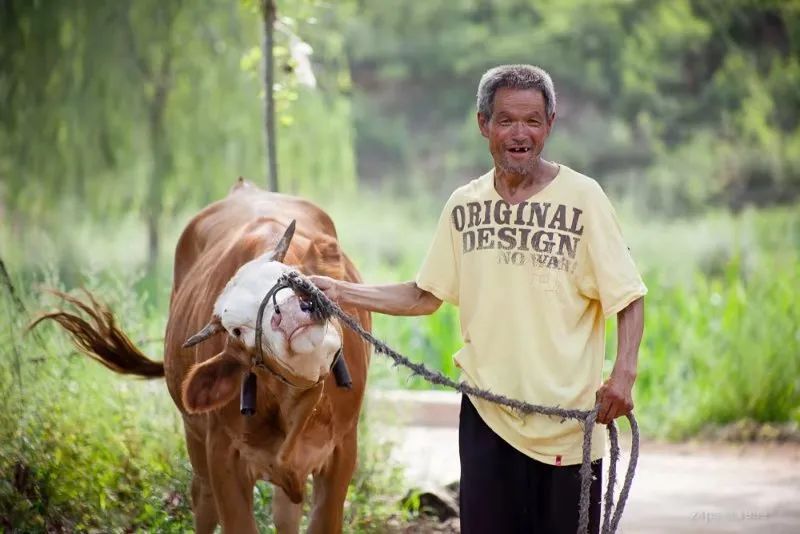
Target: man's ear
[[550, 122], [483, 124], [212, 384]]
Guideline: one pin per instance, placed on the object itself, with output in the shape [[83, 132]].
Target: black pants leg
[[505, 491]]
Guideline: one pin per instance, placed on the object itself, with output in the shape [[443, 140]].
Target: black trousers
[[504, 491]]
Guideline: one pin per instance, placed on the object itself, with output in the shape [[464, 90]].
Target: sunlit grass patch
[[722, 349]]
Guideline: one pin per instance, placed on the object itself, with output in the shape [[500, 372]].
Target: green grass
[[721, 349], [82, 449], [722, 327]]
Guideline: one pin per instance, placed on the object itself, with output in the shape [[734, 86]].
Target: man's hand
[[615, 398], [327, 285]]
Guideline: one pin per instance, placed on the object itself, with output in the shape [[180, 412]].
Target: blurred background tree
[[152, 105], [684, 102]]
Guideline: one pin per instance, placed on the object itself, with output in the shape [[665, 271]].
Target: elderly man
[[533, 255]]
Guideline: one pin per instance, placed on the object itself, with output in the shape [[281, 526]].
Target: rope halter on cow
[[611, 514], [247, 399]]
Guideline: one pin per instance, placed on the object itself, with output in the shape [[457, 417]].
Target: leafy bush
[[722, 349], [82, 450]]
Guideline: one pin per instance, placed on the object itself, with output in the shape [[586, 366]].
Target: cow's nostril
[[307, 306], [277, 310]]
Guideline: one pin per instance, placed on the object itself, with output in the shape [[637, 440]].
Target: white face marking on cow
[[305, 346]]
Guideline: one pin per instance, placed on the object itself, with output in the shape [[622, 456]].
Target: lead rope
[[612, 514]]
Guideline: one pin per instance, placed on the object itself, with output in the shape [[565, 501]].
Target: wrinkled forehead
[[238, 303]]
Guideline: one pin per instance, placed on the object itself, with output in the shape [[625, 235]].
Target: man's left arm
[[616, 394]]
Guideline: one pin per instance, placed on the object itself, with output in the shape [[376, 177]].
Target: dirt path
[[715, 488], [679, 488]]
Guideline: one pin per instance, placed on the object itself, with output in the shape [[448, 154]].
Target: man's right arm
[[391, 299]]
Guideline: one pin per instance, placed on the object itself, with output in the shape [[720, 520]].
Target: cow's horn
[[212, 328], [283, 245]]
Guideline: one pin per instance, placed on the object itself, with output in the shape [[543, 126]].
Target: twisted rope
[[612, 514]]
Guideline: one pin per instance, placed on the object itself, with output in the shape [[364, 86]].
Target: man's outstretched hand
[[327, 285]]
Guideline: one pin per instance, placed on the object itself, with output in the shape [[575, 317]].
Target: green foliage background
[[119, 119]]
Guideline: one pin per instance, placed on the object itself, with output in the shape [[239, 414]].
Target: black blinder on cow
[[247, 397], [340, 371]]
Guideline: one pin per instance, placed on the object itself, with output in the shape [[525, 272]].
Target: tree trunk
[[161, 161], [160, 76], [268, 17], [154, 192]]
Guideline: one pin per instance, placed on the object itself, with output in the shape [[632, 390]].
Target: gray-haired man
[[532, 254]]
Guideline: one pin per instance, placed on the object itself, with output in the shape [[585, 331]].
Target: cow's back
[[246, 209]]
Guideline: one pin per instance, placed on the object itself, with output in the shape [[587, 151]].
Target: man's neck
[[511, 185]]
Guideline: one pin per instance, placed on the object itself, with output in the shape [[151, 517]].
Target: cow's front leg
[[203, 506], [285, 513], [231, 484], [330, 487]]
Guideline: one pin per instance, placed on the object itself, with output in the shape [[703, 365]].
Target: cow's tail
[[100, 338]]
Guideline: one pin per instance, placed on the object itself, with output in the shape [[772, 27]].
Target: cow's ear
[[323, 257], [212, 384]]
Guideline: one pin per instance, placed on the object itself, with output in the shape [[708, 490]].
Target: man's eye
[[533, 123], [505, 122]]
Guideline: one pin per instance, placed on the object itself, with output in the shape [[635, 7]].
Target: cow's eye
[[237, 332]]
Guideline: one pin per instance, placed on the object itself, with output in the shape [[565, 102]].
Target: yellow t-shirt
[[534, 283]]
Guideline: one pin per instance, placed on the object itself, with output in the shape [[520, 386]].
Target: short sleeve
[[610, 275], [440, 269]]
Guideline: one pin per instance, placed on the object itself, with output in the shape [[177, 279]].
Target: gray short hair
[[515, 77]]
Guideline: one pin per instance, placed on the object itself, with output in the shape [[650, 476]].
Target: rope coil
[[611, 514]]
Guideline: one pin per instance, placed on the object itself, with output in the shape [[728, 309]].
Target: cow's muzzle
[[293, 315]]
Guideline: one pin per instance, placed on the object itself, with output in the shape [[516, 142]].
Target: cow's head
[[295, 342]]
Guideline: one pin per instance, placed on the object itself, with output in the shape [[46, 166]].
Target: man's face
[[517, 129]]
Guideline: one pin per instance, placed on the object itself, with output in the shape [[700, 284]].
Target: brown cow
[[227, 259]]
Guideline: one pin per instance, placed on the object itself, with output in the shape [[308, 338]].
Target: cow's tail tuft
[[100, 338]]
